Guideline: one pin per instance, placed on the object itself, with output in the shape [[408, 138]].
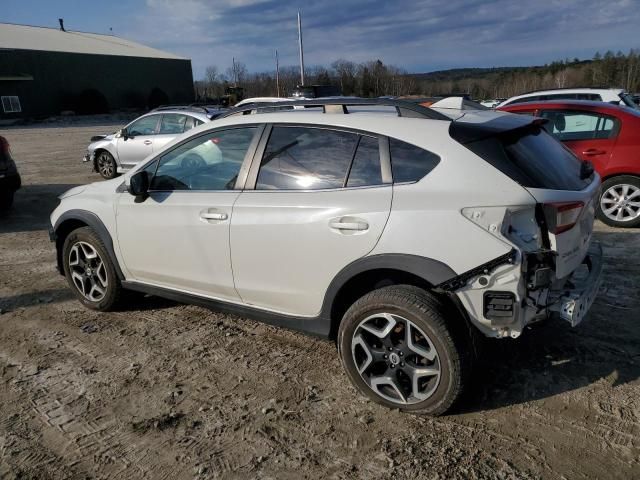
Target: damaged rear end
[[554, 268]]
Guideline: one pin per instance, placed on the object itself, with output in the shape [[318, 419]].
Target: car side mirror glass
[[139, 184]]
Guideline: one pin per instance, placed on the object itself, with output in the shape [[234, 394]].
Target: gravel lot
[[166, 391]]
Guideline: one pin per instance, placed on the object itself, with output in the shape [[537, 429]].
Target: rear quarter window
[[410, 163]]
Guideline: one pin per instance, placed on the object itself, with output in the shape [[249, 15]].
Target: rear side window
[[301, 158], [568, 125], [410, 163], [191, 122], [533, 158], [172, 124]]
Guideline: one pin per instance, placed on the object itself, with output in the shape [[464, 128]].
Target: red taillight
[[563, 216]]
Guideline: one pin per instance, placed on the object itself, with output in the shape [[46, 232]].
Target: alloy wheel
[[105, 165], [88, 271], [395, 358], [621, 203]]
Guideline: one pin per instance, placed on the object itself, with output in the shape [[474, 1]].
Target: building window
[[11, 104]]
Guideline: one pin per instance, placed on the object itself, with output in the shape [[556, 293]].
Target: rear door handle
[[148, 142], [213, 216], [593, 151], [358, 226]]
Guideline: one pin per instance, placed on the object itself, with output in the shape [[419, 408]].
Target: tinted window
[[208, 162], [298, 158], [365, 169], [533, 158], [143, 126], [578, 125], [410, 163], [172, 124]]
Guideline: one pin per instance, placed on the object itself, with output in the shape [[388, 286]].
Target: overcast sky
[[420, 36]]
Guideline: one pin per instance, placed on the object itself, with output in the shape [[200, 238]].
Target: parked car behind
[[9, 177], [616, 96], [118, 152], [399, 232], [607, 136]]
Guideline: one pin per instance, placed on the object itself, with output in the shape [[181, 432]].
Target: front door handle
[[593, 151], [148, 142], [213, 216], [352, 225]]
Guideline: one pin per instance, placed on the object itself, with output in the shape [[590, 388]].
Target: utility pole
[[277, 76], [300, 48], [235, 72]]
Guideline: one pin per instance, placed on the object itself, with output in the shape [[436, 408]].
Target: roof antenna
[[61, 20]]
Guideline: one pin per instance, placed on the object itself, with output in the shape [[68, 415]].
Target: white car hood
[[96, 187]]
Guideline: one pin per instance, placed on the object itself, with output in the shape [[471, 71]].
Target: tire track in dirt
[[57, 396]]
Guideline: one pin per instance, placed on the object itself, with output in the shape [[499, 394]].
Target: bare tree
[[237, 73]]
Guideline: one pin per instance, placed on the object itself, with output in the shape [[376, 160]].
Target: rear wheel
[[106, 165], [619, 204], [89, 270], [403, 348]]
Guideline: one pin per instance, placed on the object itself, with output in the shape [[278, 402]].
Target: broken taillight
[[562, 216]]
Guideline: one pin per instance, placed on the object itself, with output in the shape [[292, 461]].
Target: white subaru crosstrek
[[390, 227]]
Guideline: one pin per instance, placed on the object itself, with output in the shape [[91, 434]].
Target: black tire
[[612, 184], [106, 165], [6, 200], [113, 291], [448, 334]]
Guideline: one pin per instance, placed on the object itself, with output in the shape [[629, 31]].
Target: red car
[[606, 135]]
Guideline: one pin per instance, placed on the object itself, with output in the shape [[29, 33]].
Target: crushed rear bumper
[[572, 302]]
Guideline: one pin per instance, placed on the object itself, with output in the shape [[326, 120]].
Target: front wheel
[[89, 270], [619, 204], [106, 165], [404, 349]]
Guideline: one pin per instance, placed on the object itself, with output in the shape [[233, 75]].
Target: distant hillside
[[479, 72], [460, 73], [610, 70]]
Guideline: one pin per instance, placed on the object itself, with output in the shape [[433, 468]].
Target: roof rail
[[179, 107], [334, 105], [568, 88]]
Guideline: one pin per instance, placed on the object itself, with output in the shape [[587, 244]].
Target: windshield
[[628, 101]]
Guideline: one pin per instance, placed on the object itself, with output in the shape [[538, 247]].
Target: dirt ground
[[167, 391]]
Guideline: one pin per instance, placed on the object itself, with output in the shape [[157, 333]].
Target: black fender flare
[[93, 221], [432, 271]]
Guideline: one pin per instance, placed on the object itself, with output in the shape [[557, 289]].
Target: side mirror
[[139, 185], [119, 133]]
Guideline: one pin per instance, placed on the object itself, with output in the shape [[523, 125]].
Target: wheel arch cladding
[[74, 219], [376, 271]]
